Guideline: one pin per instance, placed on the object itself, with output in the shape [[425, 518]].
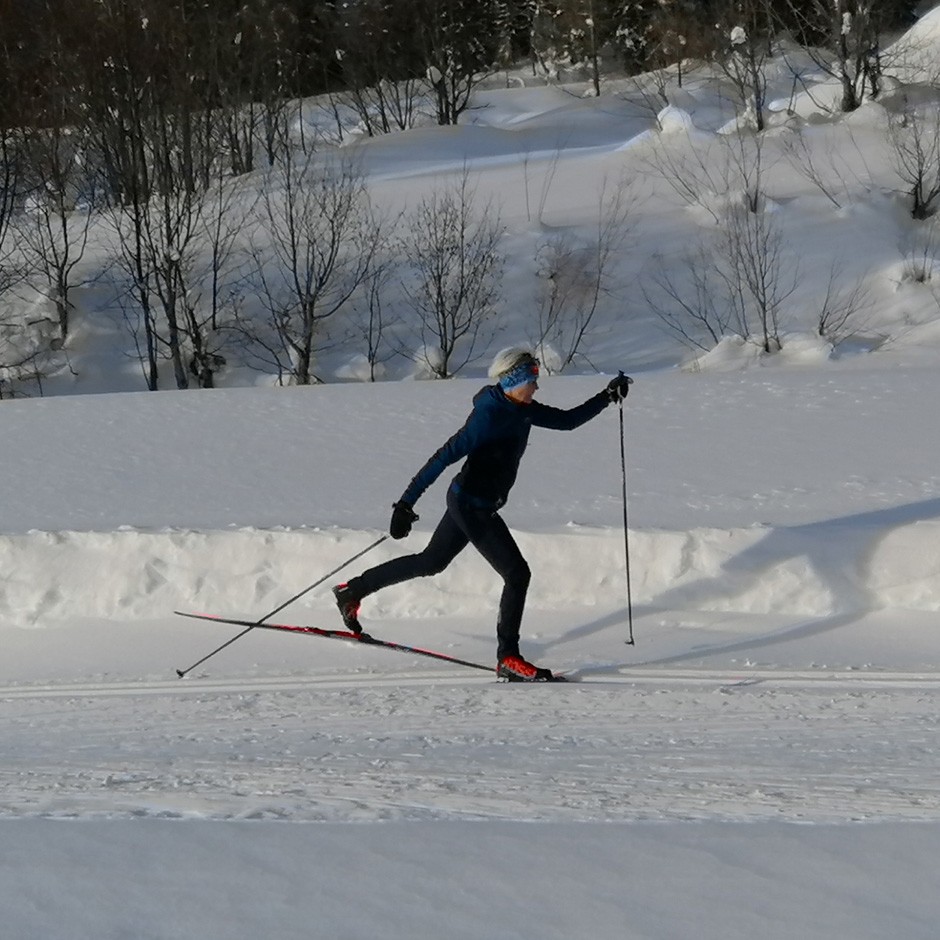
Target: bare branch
[[575, 277]]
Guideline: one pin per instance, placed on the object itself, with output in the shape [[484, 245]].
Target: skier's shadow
[[838, 551], [803, 630]]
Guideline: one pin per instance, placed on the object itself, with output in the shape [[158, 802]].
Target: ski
[[347, 635]]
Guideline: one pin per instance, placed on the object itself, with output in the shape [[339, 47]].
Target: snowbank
[[813, 570], [761, 490]]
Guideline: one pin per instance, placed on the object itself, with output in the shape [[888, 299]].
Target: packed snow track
[[654, 744]]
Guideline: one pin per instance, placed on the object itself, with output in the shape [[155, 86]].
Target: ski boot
[[517, 669], [348, 605]]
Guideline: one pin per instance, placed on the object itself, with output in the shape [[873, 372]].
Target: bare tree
[[544, 41], [649, 91], [744, 64], [226, 209], [585, 36], [455, 267], [460, 48], [45, 121], [830, 179], [844, 39], [372, 318], [320, 237], [53, 233], [756, 274], [22, 342], [253, 74], [385, 106], [123, 98], [162, 112], [379, 55], [11, 172], [174, 242], [25, 335], [208, 311], [549, 167], [676, 37]]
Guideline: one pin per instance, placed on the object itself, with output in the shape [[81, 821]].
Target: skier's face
[[523, 394]]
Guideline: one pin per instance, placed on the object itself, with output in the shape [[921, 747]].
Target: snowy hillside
[[552, 164]]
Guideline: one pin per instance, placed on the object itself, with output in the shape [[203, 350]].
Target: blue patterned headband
[[527, 371]]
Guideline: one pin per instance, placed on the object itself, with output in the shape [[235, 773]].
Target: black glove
[[617, 388], [402, 518]]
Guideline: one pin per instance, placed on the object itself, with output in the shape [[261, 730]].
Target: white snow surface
[[763, 762]]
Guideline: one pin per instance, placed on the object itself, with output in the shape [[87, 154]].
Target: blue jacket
[[493, 439]]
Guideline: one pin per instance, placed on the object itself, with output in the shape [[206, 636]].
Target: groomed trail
[[645, 744]]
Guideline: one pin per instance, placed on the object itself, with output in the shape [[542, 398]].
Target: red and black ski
[[349, 636]]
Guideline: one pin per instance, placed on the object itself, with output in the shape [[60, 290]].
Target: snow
[[763, 762]]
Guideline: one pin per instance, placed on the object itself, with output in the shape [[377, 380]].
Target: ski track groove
[[644, 744], [729, 680]]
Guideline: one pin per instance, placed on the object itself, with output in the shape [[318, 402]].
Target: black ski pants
[[461, 525]]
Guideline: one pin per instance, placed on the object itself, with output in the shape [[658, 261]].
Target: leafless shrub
[[914, 136], [683, 294], [805, 160], [844, 308], [25, 339], [384, 106], [548, 167], [736, 282], [575, 276], [919, 249], [707, 172]]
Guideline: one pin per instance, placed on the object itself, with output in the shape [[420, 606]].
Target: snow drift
[[815, 571]]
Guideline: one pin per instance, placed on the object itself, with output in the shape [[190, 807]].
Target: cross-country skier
[[492, 440]]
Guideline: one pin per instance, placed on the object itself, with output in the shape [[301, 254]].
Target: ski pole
[[277, 610], [626, 530]]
